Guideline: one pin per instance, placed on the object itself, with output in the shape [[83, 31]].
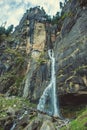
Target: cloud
[[13, 10]]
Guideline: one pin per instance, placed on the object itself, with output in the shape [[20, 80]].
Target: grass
[[17, 103], [80, 123]]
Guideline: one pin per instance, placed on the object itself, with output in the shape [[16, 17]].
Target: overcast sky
[[13, 10]]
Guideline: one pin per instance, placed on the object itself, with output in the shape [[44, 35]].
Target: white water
[[13, 126], [50, 89]]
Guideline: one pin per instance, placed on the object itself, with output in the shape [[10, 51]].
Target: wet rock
[[21, 122], [34, 125], [44, 117], [8, 124], [47, 125]]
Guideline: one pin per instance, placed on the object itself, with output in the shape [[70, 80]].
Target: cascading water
[[13, 127], [50, 90], [19, 118]]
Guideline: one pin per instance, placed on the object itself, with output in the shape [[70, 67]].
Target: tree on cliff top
[[5, 31], [9, 30], [2, 30]]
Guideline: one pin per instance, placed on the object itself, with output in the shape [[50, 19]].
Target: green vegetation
[[41, 59], [18, 57], [65, 15], [17, 103], [55, 18], [61, 5], [72, 111], [80, 123], [2, 30], [13, 78], [5, 31]]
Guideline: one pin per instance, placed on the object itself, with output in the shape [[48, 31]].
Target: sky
[[11, 11]]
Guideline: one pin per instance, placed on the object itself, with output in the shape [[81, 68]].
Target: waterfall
[[19, 118], [13, 127], [50, 90]]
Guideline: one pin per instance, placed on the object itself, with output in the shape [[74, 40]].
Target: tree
[[65, 1], [2, 30], [58, 15], [48, 17], [56, 18], [61, 5], [43, 10], [9, 30]]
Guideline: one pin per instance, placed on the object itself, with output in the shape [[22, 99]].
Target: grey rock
[[47, 125]]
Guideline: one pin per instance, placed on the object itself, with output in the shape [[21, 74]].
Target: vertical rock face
[[70, 52], [39, 36], [35, 32], [35, 46], [32, 28], [34, 35]]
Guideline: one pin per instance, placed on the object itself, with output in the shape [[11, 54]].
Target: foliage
[[13, 52], [65, 15], [55, 18], [79, 123], [14, 102], [61, 5], [5, 31], [65, 1], [9, 30], [43, 10], [48, 17], [19, 80], [2, 30], [41, 59]]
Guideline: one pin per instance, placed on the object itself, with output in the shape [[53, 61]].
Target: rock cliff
[[34, 36], [25, 68], [70, 52]]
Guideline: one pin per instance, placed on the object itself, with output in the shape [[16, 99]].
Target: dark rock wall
[[31, 30], [70, 52]]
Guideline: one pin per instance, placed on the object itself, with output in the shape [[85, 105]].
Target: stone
[[8, 124], [44, 117], [10, 111], [34, 124], [47, 125]]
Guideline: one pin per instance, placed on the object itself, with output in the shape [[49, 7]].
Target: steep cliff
[[70, 52], [25, 67], [33, 37]]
